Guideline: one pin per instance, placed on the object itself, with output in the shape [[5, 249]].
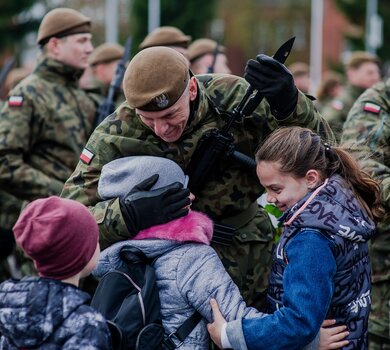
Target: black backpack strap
[[182, 332]]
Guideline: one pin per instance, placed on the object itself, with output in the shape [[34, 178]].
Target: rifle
[[218, 144], [8, 65], [210, 69], [107, 106]]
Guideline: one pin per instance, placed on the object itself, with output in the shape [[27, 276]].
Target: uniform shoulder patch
[[15, 101], [337, 105], [371, 107], [86, 156]]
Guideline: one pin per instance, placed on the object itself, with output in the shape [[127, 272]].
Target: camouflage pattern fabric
[[367, 134], [337, 110], [43, 128], [229, 192], [98, 92]]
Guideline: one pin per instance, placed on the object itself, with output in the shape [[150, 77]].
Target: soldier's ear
[[53, 47], [193, 88]]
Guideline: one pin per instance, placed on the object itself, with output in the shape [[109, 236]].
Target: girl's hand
[[332, 337], [216, 327]]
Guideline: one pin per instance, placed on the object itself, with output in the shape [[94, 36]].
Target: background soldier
[[330, 88], [166, 114], [102, 65], [47, 119], [207, 56], [167, 36], [301, 73], [362, 72], [367, 132]]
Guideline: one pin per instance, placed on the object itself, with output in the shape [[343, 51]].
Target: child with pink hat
[[61, 237]]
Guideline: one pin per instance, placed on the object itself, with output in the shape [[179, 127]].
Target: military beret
[[165, 36], [62, 22], [155, 78], [201, 47], [105, 53], [357, 58]]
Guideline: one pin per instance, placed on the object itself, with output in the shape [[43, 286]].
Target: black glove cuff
[[287, 109], [129, 217]]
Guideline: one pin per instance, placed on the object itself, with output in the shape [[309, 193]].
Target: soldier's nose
[[160, 127]]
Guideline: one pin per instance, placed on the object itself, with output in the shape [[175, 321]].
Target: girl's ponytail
[[366, 189]]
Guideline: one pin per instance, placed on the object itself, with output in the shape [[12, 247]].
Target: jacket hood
[[158, 240], [335, 209], [32, 309]]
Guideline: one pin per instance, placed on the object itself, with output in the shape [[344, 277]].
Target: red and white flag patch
[[86, 156], [15, 101], [371, 107]]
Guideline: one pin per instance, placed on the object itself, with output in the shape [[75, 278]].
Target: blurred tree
[[15, 23], [355, 11], [193, 17]]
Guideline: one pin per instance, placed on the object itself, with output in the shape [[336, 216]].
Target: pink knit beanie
[[59, 234]]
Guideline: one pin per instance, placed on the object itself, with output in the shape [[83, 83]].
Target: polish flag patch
[[86, 156], [15, 101], [371, 107]]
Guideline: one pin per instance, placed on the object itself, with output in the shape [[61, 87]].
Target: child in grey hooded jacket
[[188, 270]]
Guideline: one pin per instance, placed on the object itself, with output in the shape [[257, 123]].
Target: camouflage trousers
[[378, 324], [248, 259]]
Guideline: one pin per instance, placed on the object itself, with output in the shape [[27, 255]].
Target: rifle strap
[[182, 332]]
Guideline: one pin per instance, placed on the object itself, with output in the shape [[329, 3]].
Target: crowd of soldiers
[[49, 145]]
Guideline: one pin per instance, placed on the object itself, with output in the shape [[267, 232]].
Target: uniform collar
[[54, 70]]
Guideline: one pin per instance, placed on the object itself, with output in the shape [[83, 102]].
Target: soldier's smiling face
[[169, 123]]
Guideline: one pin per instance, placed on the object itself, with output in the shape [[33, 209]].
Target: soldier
[[167, 112], [167, 36], [367, 133], [103, 63], [330, 88], [362, 70], [207, 56], [48, 118], [301, 73]]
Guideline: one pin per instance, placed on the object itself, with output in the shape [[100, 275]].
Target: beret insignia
[[161, 101]]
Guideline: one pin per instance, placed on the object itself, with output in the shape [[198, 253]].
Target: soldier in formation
[[47, 119], [103, 63], [362, 70], [207, 56]]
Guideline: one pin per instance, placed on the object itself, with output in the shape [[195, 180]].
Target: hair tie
[[328, 148]]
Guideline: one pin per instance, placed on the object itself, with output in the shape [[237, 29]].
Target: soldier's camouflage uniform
[[43, 128], [230, 194], [98, 92], [337, 110], [367, 133]]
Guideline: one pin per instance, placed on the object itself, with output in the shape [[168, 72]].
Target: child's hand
[[332, 337], [216, 327]]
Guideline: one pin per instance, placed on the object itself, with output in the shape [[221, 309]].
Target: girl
[[321, 267]]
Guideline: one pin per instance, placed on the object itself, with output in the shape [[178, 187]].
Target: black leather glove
[[142, 208], [273, 80]]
